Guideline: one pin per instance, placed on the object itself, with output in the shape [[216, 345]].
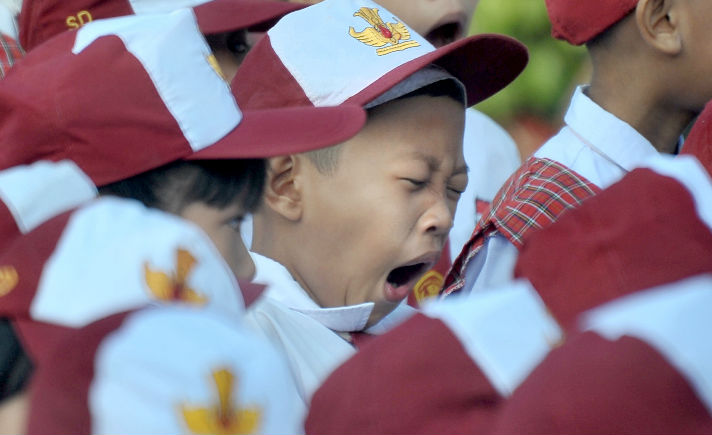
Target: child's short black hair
[[217, 183], [235, 42], [15, 365], [326, 159]]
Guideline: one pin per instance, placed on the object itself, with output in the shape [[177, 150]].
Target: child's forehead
[[404, 130], [398, 114]]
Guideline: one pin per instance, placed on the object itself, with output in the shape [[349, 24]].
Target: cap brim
[[483, 63], [219, 16], [275, 132]]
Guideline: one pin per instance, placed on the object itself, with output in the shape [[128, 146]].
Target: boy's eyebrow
[[433, 163]]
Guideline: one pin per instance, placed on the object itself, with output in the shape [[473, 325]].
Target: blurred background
[[532, 108]]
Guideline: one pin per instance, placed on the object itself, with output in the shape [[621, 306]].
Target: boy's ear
[[282, 188], [658, 23]]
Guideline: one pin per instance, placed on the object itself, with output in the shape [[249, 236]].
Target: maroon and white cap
[[651, 228], [125, 95], [579, 21], [165, 370], [639, 364], [108, 256], [353, 51], [32, 194], [42, 19]]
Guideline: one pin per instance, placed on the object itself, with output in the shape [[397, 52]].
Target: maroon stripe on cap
[[27, 256], [271, 85]]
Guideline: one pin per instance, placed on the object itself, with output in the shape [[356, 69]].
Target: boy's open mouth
[[444, 33], [399, 281]]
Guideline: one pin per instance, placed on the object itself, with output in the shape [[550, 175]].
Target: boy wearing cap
[[490, 152], [344, 233]]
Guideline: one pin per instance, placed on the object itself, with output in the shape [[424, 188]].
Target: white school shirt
[[305, 332], [8, 23], [491, 156], [593, 143]]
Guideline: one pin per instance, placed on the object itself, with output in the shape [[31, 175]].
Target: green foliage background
[[554, 68]]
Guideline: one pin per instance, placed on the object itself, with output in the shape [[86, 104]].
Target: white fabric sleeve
[[493, 266]]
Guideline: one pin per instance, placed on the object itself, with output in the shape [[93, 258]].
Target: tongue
[[397, 283], [395, 294]]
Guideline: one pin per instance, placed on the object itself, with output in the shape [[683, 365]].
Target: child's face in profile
[[223, 228], [439, 21], [380, 220]]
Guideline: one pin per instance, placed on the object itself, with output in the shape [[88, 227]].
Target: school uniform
[[483, 345], [592, 151], [491, 156], [315, 340]]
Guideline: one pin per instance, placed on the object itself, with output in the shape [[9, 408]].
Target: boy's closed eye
[[416, 183], [235, 222], [458, 183]]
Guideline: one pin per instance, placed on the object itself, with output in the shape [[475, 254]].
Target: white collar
[[282, 287], [607, 133]]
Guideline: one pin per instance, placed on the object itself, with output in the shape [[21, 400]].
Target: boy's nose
[[438, 220]]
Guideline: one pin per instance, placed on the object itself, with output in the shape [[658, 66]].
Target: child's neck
[[660, 123]]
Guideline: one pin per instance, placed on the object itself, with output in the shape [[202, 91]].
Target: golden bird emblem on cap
[[382, 33], [173, 287], [225, 417]]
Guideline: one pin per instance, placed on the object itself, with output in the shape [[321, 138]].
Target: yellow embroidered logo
[[174, 287], [224, 417], [77, 21], [8, 279], [395, 34], [213, 61], [428, 286]]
